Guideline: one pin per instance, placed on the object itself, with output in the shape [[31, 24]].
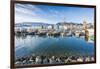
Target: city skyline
[[52, 14]]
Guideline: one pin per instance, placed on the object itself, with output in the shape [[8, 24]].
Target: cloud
[[25, 12], [51, 14]]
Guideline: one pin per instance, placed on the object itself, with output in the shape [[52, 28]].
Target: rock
[[80, 59]]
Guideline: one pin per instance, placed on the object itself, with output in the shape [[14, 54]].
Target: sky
[[52, 14]]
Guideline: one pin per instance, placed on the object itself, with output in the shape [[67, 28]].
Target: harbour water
[[52, 46]]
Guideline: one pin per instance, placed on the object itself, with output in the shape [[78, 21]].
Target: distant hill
[[29, 24], [68, 23]]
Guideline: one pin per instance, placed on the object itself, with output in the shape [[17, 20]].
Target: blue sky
[[52, 14]]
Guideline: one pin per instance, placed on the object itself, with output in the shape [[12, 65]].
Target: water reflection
[[52, 46]]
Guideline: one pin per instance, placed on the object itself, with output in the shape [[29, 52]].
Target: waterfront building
[[77, 33], [89, 31], [91, 34], [49, 27]]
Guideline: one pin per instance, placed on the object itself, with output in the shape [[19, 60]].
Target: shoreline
[[52, 60]]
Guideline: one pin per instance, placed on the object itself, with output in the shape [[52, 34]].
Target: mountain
[[68, 23], [29, 24]]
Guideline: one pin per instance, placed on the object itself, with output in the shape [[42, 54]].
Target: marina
[[63, 40]]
